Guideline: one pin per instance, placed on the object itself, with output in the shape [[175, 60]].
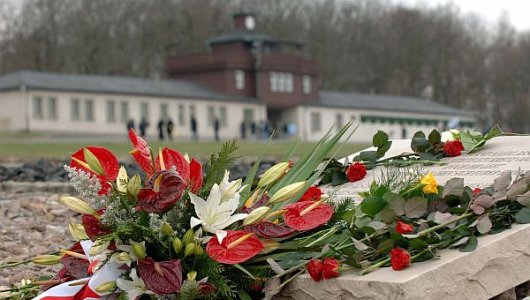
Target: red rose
[[315, 267], [356, 172], [404, 227], [312, 194], [162, 192], [476, 191], [399, 259], [164, 277], [323, 269], [331, 268], [453, 148], [93, 227]]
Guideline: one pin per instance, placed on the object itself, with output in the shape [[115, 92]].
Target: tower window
[[306, 84], [239, 77], [281, 82]]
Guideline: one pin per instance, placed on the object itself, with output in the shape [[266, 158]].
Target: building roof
[[385, 102], [244, 35], [113, 85]]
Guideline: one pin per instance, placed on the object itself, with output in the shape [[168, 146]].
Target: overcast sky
[[518, 11]]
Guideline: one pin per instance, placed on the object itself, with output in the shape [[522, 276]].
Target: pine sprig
[[218, 163]]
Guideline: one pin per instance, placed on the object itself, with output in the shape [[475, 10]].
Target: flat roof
[[34, 80], [385, 102]]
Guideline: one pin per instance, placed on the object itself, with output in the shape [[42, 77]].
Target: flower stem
[[375, 266], [440, 226]]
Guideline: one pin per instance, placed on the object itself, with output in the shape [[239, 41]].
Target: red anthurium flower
[[195, 181], [269, 230], [453, 148], [141, 153], [331, 268], [163, 277], [109, 164], [238, 246], [93, 227], [312, 194], [403, 228], [163, 190], [355, 172], [76, 267], [168, 158], [399, 259], [307, 215], [206, 288], [315, 267]]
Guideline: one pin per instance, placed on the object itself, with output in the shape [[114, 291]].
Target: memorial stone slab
[[500, 262]]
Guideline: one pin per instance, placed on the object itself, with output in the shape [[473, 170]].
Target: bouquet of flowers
[[186, 231]]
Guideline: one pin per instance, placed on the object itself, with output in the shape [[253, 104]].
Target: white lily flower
[[230, 189], [214, 215], [133, 288]]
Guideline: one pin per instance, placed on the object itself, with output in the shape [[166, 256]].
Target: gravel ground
[[30, 224]]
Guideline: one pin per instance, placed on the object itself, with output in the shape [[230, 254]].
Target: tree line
[[372, 46]]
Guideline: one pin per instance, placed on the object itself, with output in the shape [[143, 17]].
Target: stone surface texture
[[499, 263], [30, 224]]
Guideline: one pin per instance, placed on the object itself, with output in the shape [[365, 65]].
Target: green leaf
[[368, 155], [243, 295], [372, 205], [338, 178], [397, 204], [381, 151], [484, 224], [494, 132], [455, 187], [471, 244], [418, 244], [435, 137], [380, 138], [416, 207], [242, 269], [419, 143], [523, 216], [385, 246]]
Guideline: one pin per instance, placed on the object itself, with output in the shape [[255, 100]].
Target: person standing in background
[[161, 125], [216, 126], [193, 127], [143, 127], [169, 128]]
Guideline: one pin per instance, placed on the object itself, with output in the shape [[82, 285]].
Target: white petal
[[194, 222], [214, 199], [231, 220], [201, 208], [220, 234]]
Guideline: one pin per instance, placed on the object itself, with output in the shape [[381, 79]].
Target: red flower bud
[[402, 228], [453, 148], [331, 268], [164, 277], [315, 267], [399, 259], [93, 226], [356, 172], [312, 194]]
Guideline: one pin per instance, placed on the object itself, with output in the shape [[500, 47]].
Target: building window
[[52, 108], [163, 111], [211, 115], [144, 111], [315, 122], [37, 108], [181, 114], [222, 117], [239, 77], [281, 82], [75, 109], [248, 115], [111, 111], [89, 110], [124, 108], [306, 84], [338, 121]]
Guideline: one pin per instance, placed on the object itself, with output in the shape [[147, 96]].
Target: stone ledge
[[499, 263], [34, 187]]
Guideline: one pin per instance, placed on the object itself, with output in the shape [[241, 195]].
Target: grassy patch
[[13, 150]]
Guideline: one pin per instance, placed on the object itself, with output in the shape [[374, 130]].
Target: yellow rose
[[430, 186]]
